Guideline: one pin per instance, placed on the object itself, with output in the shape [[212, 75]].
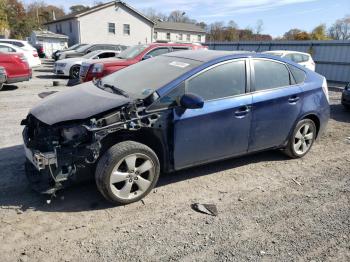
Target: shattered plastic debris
[[209, 209]]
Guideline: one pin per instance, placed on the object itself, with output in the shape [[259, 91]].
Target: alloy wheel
[[132, 176], [303, 139]]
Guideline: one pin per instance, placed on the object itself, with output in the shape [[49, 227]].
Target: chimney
[[53, 15]]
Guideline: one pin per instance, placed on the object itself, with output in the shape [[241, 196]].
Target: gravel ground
[[270, 208]]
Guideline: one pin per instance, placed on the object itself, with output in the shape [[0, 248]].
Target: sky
[[278, 16]]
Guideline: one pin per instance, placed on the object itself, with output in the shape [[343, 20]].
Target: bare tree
[[340, 30], [259, 27]]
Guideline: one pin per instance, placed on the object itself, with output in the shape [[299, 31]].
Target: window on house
[[168, 36], [199, 38], [180, 37], [70, 27], [188, 38], [111, 28], [155, 35], [126, 29]]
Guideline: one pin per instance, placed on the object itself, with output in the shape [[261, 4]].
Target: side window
[[106, 55], [289, 56], [225, 80], [158, 51], [298, 74], [172, 99], [179, 48], [5, 49], [297, 58], [270, 74], [305, 58]]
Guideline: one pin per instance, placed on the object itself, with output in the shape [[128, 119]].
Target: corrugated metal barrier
[[332, 57]]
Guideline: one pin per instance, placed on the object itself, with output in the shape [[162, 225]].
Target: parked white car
[[29, 51], [8, 48], [300, 58], [71, 66]]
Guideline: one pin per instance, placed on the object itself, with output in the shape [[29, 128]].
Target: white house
[[179, 32], [110, 23], [49, 40]]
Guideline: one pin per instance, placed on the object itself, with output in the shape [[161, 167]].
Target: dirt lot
[[270, 208]]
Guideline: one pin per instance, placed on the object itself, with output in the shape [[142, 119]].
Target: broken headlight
[[74, 134]]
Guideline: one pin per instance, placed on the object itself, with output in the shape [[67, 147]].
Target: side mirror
[[191, 101], [147, 57]]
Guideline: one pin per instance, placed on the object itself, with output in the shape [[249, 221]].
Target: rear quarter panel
[[314, 101]]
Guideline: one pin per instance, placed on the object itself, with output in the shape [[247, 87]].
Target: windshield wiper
[[116, 90]]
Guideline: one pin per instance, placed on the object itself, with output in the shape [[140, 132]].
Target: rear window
[[298, 74], [142, 79]]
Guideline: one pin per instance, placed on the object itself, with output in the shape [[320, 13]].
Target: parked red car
[[132, 55], [14, 68]]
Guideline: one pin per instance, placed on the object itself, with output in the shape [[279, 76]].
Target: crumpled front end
[[54, 154], [57, 154]]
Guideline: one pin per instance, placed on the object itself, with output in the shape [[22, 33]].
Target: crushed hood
[[77, 103]]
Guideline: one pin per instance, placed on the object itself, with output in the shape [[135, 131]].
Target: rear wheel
[[127, 172], [302, 139], [74, 72]]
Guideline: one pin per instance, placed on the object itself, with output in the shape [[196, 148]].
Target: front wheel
[[74, 72], [302, 139], [127, 172]]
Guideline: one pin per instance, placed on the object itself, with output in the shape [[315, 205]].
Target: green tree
[[78, 8], [319, 33]]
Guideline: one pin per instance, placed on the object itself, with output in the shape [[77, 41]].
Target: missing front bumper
[[40, 160]]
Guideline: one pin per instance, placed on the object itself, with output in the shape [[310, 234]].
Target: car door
[[221, 128], [276, 104]]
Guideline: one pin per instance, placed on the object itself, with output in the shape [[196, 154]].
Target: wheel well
[[316, 120], [149, 139]]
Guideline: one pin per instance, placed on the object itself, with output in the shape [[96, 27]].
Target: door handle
[[242, 111], [293, 99]]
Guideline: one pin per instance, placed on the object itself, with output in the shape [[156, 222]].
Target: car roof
[[206, 55], [172, 44]]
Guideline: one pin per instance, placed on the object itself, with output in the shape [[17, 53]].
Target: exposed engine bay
[[56, 153]]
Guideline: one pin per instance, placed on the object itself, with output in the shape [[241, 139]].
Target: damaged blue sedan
[[168, 113]]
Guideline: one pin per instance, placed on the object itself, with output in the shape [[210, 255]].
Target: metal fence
[[332, 57]]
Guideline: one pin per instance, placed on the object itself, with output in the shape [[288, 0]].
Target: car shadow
[[50, 77], [15, 190], [9, 88], [49, 70]]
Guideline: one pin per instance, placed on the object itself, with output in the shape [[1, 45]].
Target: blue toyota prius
[[171, 112]]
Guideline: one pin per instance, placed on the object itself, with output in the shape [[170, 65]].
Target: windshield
[[132, 51], [82, 48], [91, 54], [142, 79], [76, 46]]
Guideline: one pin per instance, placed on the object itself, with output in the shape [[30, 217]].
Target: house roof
[[48, 34], [97, 8], [179, 27]]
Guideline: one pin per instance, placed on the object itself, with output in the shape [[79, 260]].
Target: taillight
[[325, 88]]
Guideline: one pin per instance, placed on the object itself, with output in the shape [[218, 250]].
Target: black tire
[[347, 107], [1, 86], [110, 160], [290, 149], [74, 72]]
